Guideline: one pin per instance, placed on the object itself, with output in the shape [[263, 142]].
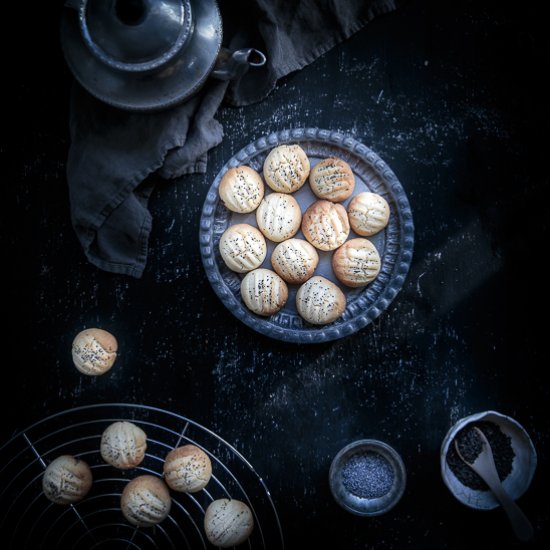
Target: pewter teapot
[[146, 55]]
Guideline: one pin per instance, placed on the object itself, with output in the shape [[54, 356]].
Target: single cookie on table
[[228, 522], [264, 292], [368, 213], [187, 469], [67, 480], [279, 217], [123, 445], [286, 168], [241, 189], [242, 247], [145, 501], [319, 301], [94, 351], [295, 260], [332, 179], [325, 225], [356, 263]]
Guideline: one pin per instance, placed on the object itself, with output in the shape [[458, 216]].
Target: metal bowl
[[364, 506], [523, 465]]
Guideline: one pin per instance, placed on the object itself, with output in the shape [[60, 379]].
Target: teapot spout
[[230, 65]]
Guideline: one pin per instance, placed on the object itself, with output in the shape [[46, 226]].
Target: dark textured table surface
[[452, 98]]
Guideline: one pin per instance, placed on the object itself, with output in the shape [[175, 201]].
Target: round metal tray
[[395, 243], [29, 521]]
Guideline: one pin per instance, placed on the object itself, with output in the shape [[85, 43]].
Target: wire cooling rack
[[28, 520]]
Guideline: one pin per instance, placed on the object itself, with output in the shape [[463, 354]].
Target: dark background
[[453, 99]]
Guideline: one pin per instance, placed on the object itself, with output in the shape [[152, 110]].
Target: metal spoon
[[484, 466]]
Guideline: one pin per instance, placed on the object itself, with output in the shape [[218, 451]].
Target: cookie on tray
[[332, 179], [356, 263], [286, 168], [241, 189]]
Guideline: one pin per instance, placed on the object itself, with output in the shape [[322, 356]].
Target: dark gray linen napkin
[[113, 152]]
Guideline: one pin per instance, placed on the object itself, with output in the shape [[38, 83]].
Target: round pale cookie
[[332, 179], [66, 480], [145, 501], [241, 189], [295, 260], [187, 469], [123, 445], [279, 217], [264, 292], [356, 263], [325, 225], [286, 168], [94, 351], [368, 213], [319, 301], [228, 522], [242, 247]]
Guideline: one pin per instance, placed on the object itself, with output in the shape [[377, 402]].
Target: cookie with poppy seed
[[279, 217], [66, 480], [264, 292], [319, 301], [325, 225], [145, 501], [123, 445], [368, 213], [286, 168], [94, 351], [241, 189], [356, 263], [242, 247], [228, 522], [187, 469], [332, 179], [295, 260]]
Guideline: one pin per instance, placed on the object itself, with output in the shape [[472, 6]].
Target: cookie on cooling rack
[[279, 217], [368, 213], [332, 179], [145, 501], [294, 260], [241, 189], [242, 247], [325, 225], [66, 480], [187, 469], [94, 351], [123, 445], [356, 263], [319, 301], [264, 292], [286, 168], [228, 522]]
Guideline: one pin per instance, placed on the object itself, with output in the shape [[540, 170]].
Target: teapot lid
[[141, 55], [135, 35]]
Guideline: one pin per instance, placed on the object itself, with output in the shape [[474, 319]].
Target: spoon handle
[[520, 523]]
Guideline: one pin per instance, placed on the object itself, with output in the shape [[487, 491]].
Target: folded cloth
[[113, 152]]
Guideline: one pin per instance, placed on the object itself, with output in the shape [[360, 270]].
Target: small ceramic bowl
[[523, 465], [367, 477]]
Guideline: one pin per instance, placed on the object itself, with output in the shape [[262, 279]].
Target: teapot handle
[[230, 65]]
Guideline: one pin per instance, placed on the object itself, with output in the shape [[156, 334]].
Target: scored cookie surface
[[264, 292], [241, 189], [325, 225], [356, 263], [368, 213], [279, 216], [295, 260], [286, 168], [319, 301], [242, 247], [332, 179]]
